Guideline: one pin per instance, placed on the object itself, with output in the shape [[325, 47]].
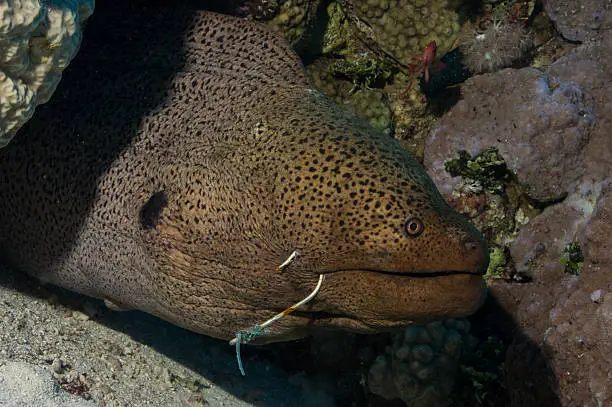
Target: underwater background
[[507, 106]]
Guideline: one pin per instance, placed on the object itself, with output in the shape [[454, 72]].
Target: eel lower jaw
[[369, 301]]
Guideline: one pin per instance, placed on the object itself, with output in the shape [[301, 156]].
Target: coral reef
[[38, 39], [420, 366], [403, 28], [369, 104], [525, 155], [551, 131]]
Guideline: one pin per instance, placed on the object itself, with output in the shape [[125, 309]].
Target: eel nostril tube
[[476, 254], [470, 244]]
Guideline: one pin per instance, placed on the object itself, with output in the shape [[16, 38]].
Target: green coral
[[369, 104], [572, 258], [337, 30], [487, 169], [293, 18], [402, 28]]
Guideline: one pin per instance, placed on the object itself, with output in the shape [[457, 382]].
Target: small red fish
[[428, 57], [426, 60]]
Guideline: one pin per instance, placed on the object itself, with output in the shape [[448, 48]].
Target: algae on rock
[[572, 258]]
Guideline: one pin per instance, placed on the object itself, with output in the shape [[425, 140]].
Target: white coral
[[38, 39]]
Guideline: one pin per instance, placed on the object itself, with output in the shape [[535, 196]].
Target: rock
[[552, 130], [596, 296], [579, 20], [538, 129]]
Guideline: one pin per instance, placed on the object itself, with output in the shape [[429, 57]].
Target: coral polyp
[[501, 44]]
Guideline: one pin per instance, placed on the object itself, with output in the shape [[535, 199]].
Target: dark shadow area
[[310, 45], [443, 87], [503, 368], [527, 377], [130, 52]]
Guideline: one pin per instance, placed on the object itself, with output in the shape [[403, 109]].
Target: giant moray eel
[[186, 155]]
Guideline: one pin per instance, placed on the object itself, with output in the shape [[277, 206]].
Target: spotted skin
[[176, 168]]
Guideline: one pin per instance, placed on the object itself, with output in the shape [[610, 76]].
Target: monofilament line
[[243, 337]]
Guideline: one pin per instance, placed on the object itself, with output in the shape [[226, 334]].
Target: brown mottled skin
[[181, 161]]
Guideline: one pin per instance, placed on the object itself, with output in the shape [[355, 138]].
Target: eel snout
[[390, 290]]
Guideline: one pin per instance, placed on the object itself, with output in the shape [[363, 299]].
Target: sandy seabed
[[51, 337]]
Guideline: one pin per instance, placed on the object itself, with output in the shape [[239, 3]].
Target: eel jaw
[[370, 301]]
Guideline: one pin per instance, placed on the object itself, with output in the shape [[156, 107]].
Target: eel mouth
[[374, 300], [414, 274]]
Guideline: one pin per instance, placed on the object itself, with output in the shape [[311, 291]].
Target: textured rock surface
[[539, 123], [579, 20], [569, 315], [553, 131]]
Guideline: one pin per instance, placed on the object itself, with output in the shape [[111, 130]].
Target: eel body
[[185, 156]]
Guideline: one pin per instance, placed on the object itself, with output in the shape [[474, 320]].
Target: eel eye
[[414, 227]]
